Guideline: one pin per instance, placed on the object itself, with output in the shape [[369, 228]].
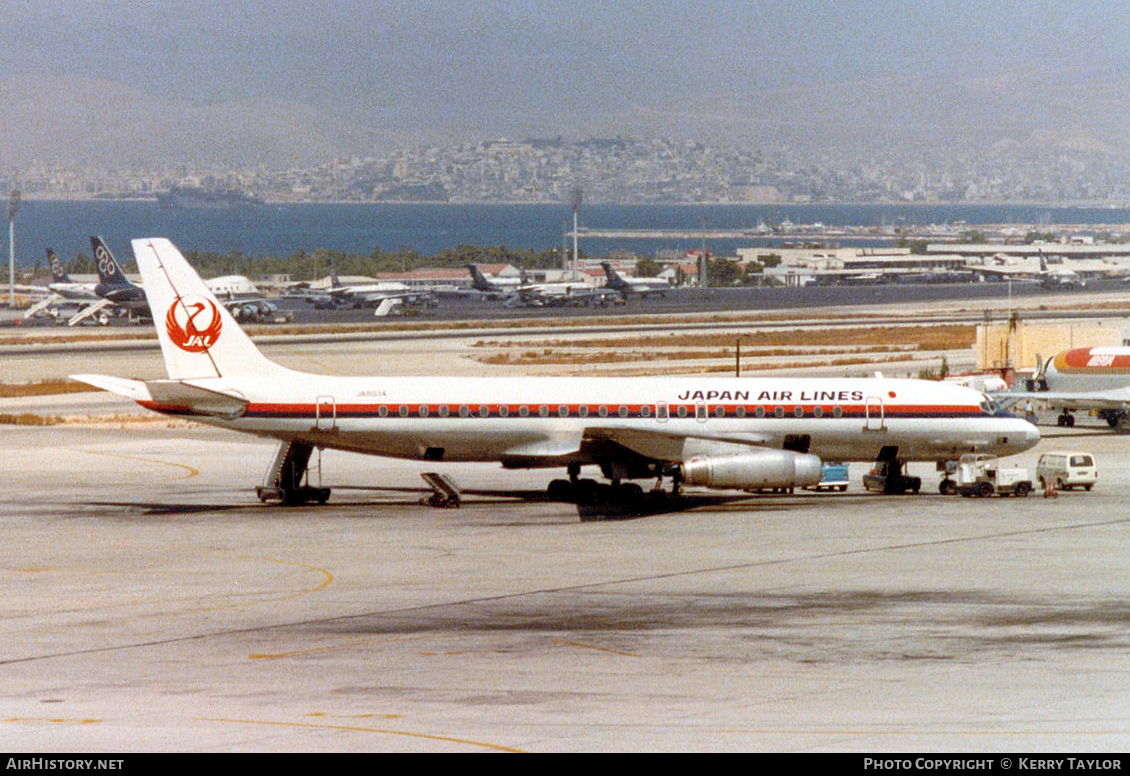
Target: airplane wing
[[1083, 400], [376, 297], [595, 443]]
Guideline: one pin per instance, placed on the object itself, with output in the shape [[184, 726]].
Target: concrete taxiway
[[151, 603]]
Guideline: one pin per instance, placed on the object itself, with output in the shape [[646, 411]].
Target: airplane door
[[875, 418], [325, 413], [662, 412]]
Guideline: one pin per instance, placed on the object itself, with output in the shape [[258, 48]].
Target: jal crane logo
[[193, 324]]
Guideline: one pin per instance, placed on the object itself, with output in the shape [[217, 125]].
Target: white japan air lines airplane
[[726, 433]]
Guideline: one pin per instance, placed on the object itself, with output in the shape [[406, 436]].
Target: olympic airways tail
[[199, 337]]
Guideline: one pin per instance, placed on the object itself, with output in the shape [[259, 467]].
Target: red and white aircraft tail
[[199, 337]]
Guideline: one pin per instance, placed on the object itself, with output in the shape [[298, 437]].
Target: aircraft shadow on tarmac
[[652, 505]]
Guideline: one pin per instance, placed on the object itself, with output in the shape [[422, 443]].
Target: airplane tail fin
[[615, 282], [477, 279], [199, 337], [110, 274], [58, 274]]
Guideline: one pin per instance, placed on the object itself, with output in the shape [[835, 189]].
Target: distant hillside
[[1072, 109], [72, 122]]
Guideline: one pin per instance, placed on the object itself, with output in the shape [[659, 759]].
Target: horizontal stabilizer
[[170, 394], [132, 389]]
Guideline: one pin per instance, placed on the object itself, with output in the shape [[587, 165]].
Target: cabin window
[[645, 411], [799, 411], [563, 410], [837, 412], [817, 412], [583, 411], [524, 411], [720, 411], [464, 411], [603, 411], [382, 411], [779, 412], [681, 411], [503, 411], [484, 411], [740, 412], [622, 412], [759, 412], [543, 411], [403, 411], [443, 411], [661, 411]]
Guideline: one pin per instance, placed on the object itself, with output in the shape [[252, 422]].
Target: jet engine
[[755, 469]]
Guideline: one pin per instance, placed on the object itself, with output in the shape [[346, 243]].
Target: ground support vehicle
[[1067, 470], [891, 477], [834, 477], [983, 475]]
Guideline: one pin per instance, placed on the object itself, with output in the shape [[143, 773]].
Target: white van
[[1067, 470]]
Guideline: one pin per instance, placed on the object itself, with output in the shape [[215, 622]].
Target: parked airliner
[[629, 286], [725, 433], [62, 285], [1083, 379]]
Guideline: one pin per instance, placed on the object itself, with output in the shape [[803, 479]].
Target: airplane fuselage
[[74, 291], [542, 421], [1089, 369]]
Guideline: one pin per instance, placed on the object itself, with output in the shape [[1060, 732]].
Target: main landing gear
[[1066, 420], [615, 500], [284, 480]]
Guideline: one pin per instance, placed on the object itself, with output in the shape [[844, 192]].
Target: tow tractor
[[982, 475], [891, 477]]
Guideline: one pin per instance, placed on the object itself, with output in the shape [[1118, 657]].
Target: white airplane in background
[[633, 286], [724, 433], [515, 291], [373, 294], [1083, 379], [1052, 277], [90, 298], [493, 285], [63, 286]]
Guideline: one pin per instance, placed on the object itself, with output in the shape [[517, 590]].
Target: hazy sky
[[520, 67]]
